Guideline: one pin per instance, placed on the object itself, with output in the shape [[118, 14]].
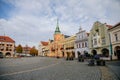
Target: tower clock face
[[57, 37]]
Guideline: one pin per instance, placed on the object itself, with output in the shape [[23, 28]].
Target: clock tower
[[57, 33]]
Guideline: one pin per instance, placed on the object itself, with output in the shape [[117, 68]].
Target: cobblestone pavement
[[114, 66], [107, 74], [41, 68]]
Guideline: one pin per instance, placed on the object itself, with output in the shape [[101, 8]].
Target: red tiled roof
[[44, 43], [28, 48], [109, 26], [6, 39], [115, 25]]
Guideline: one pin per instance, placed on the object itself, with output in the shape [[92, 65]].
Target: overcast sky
[[31, 21]]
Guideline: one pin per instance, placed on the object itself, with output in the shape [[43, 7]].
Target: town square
[[59, 40]]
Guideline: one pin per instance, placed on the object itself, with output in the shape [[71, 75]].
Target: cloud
[[33, 21]]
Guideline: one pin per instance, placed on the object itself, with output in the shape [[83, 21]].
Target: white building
[[43, 48], [81, 43], [115, 40]]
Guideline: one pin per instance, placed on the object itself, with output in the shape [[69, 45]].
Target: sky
[[30, 21]]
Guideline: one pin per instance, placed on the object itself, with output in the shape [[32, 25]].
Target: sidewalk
[[108, 73]]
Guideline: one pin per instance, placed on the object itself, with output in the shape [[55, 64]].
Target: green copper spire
[[57, 30]]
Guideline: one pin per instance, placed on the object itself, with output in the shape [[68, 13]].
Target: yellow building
[[69, 46]]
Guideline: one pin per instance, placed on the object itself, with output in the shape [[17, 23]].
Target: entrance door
[[117, 51]]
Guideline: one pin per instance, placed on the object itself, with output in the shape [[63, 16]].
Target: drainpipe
[[110, 47]]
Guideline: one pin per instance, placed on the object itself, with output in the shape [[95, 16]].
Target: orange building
[[61, 46]]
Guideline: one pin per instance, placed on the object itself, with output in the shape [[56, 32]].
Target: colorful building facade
[[81, 43], [69, 46], [99, 39], [114, 34]]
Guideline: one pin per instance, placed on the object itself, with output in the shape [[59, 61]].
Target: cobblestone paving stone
[[106, 74], [64, 70], [114, 67]]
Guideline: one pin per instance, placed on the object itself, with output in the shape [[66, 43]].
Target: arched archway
[[8, 54], [94, 52], [105, 52], [117, 51]]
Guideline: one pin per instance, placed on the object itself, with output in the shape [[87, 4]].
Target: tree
[[34, 51], [19, 49]]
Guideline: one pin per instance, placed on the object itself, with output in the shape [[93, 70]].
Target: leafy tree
[[19, 49], [34, 51]]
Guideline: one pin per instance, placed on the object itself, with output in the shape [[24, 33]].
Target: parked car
[[28, 55]]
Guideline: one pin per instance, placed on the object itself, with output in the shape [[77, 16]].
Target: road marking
[[8, 74]]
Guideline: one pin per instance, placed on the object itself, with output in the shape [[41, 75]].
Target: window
[[103, 41], [2, 49], [6, 48], [82, 45], [79, 45], [79, 37], [116, 37], [95, 41], [85, 44]]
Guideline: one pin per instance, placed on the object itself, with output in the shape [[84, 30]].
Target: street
[[42, 68]]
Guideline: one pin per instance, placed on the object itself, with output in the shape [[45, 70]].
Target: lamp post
[[110, 47]]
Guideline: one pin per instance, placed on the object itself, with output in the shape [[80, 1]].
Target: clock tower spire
[[57, 30]]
